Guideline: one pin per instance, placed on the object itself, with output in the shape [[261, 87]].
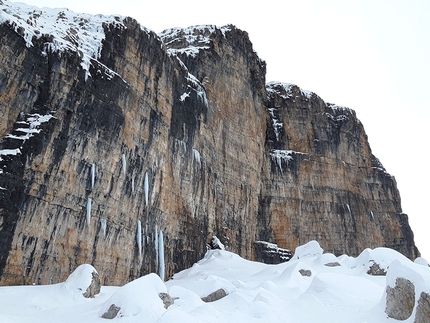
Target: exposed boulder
[[112, 312], [305, 272], [376, 270], [216, 295], [400, 299], [167, 299], [271, 253], [423, 309]]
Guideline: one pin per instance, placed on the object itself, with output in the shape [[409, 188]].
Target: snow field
[[312, 287]]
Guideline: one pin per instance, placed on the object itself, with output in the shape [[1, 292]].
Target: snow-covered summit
[[64, 30], [190, 40], [285, 90]]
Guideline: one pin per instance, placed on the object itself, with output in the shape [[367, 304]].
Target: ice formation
[[103, 226], [139, 237], [281, 156], [88, 211], [124, 164], [161, 255], [146, 188], [93, 175], [196, 155]]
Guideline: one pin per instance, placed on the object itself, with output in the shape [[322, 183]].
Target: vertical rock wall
[[177, 136]]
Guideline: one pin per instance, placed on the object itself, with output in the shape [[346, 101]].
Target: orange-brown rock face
[[324, 183], [157, 143]]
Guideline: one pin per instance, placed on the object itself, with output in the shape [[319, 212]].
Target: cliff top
[[66, 30]]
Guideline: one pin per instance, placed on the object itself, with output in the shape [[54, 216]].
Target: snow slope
[[312, 287], [69, 31]]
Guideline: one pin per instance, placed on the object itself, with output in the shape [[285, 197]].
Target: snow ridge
[[69, 31]]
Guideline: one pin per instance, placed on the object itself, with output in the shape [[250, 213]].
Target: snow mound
[[373, 261], [310, 249], [65, 30], [139, 297], [422, 261], [83, 281]]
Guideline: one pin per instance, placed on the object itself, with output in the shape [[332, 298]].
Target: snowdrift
[[379, 285]]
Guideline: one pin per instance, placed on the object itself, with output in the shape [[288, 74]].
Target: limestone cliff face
[[132, 155], [324, 183]]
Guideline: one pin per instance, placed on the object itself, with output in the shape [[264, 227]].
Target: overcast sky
[[369, 55]]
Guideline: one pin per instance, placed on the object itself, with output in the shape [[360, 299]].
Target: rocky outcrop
[[130, 151], [270, 253]]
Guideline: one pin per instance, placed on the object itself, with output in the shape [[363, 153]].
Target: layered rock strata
[[130, 151]]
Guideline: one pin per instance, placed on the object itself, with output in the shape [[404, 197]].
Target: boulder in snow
[[112, 312], [400, 299], [305, 272], [216, 295], [84, 280], [375, 269], [423, 309], [167, 299]]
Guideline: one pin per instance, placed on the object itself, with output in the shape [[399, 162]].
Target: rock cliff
[[130, 150]]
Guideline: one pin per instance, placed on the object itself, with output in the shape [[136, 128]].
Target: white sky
[[370, 55]]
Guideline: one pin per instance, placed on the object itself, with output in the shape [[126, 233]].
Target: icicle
[[88, 211], [124, 164], [349, 210], [139, 237], [183, 144], [161, 255], [371, 213], [103, 224], [146, 187], [93, 175], [197, 156], [156, 244], [147, 234], [132, 184]]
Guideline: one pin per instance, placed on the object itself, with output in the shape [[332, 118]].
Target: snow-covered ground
[[312, 287]]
